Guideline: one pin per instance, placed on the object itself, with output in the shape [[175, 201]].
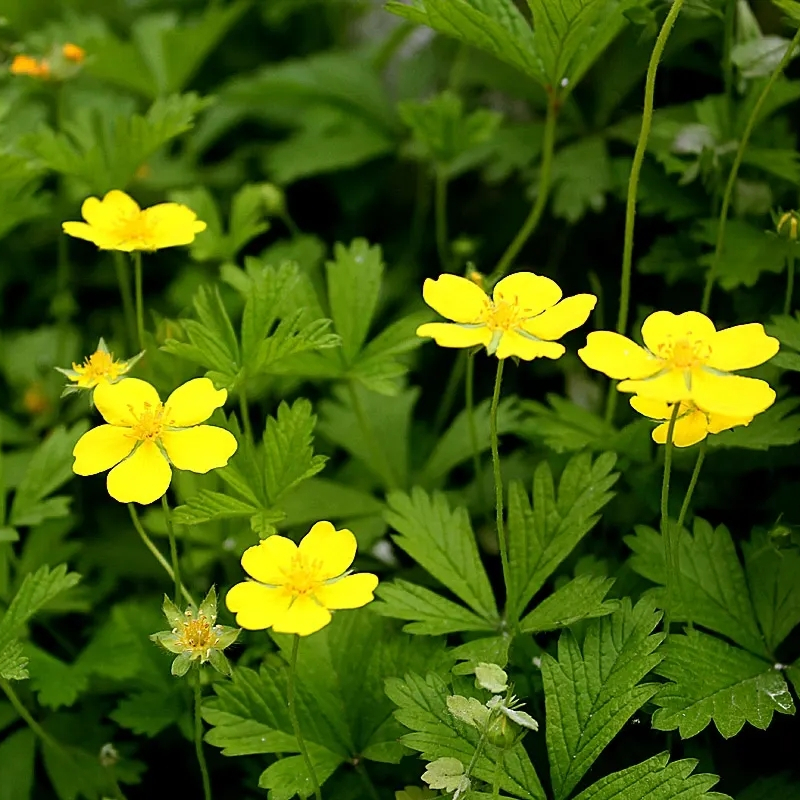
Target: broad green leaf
[[775, 427], [564, 427], [55, 682], [581, 598], [288, 778], [320, 498], [441, 540], [17, 752], [432, 614], [581, 179], [758, 58], [422, 707], [593, 690], [149, 712], [774, 579], [655, 779], [541, 536], [711, 679]]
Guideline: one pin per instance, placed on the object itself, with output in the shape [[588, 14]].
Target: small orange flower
[[27, 65], [74, 53]]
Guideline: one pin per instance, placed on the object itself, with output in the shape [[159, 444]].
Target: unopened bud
[[273, 198], [788, 225]]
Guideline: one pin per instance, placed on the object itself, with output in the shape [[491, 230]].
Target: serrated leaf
[[655, 779], [581, 598], [149, 712], [581, 179], [422, 707], [542, 535], [288, 777], [775, 427], [17, 752], [592, 691], [56, 683], [711, 679], [712, 589], [431, 614], [441, 540]]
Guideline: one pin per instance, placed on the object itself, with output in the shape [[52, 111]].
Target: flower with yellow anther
[[99, 367], [295, 587], [524, 316], [144, 438], [686, 359]]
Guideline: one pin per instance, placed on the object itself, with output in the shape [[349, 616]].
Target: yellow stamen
[[197, 635], [150, 423]]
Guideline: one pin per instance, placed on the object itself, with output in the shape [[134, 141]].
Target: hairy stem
[[298, 734], [668, 532], [173, 548], [701, 456], [737, 162], [198, 736], [498, 476], [473, 429], [128, 310]]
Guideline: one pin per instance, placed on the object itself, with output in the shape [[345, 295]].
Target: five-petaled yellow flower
[[522, 318], [144, 437], [117, 223], [687, 360], [296, 587], [98, 368], [692, 424]]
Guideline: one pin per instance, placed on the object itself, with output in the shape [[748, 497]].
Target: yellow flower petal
[[116, 207], [448, 334], [617, 356], [332, 550], [119, 403], [101, 448], [664, 327], [689, 429], [719, 422], [270, 560], [565, 316], [256, 606], [731, 395], [141, 478], [654, 409], [455, 298], [670, 387], [741, 347], [80, 230], [199, 449], [171, 225], [533, 293], [194, 402], [514, 344], [352, 591], [304, 617]]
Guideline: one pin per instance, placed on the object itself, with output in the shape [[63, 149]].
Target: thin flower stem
[[173, 548], [667, 530], [288, 220], [298, 734], [137, 278], [156, 552], [545, 173], [701, 456], [198, 736], [787, 302], [245, 414], [440, 209], [19, 707], [498, 476], [737, 162], [633, 185], [473, 430], [128, 310]]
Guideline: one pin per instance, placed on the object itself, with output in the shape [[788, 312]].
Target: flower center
[[197, 635], [98, 365], [135, 229], [504, 316], [685, 353], [302, 577], [149, 423]]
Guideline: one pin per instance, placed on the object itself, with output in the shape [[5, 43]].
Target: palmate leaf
[[592, 691], [422, 707], [581, 598], [542, 535]]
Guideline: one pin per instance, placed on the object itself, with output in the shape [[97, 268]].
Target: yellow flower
[[523, 317], [295, 588], [27, 65], [97, 368], [144, 436], [692, 424], [117, 223], [687, 360], [74, 53]]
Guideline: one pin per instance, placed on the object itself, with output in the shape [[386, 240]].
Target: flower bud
[[787, 226], [273, 198]]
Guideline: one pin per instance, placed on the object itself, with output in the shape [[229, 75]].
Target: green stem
[[19, 707], [378, 456], [737, 162], [245, 414], [137, 277], [449, 394], [787, 302], [701, 456], [667, 531], [198, 736], [545, 172], [288, 221], [496, 777], [366, 780], [473, 429], [128, 310], [173, 548], [440, 209], [298, 734], [727, 61], [498, 476], [157, 553]]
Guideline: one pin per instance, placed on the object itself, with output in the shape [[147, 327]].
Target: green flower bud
[[273, 198], [787, 225]]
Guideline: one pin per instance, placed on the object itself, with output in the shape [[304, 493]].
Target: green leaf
[[541, 536], [655, 779], [432, 614], [774, 579], [775, 787], [710, 679], [422, 707], [17, 753], [775, 427], [757, 58], [713, 590], [581, 179], [49, 468], [592, 691], [288, 777], [56, 683], [581, 598], [442, 541], [149, 712]]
